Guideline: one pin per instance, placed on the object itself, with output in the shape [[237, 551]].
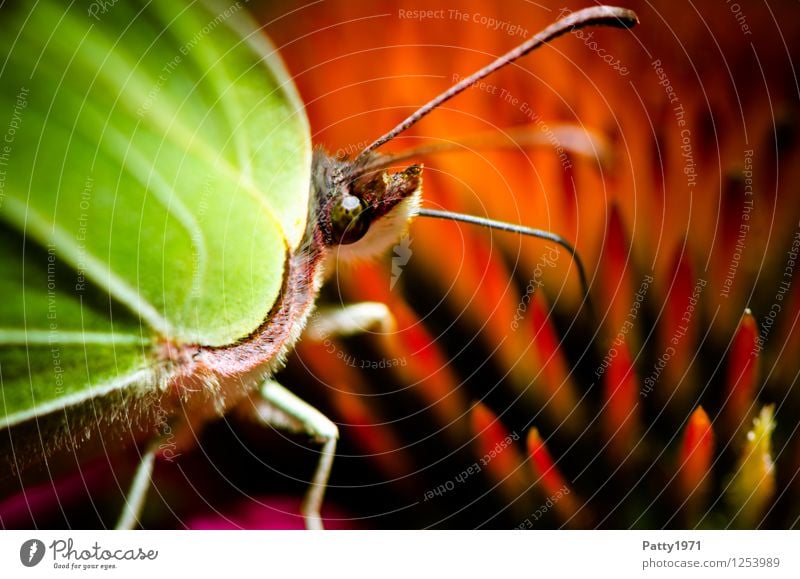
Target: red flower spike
[[741, 376], [569, 508], [677, 334], [425, 368], [695, 458], [375, 439], [621, 416], [497, 453], [520, 351], [496, 296], [489, 299], [477, 283], [556, 379], [616, 281], [356, 413], [414, 356], [753, 484]]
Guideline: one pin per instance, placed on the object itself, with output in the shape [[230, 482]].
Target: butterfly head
[[365, 215]]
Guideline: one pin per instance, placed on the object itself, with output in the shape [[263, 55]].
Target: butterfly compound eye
[[348, 220]]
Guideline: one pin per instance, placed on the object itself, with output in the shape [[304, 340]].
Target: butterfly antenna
[[594, 16], [519, 229]]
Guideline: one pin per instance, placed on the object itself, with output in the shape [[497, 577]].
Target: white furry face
[[382, 234], [360, 218]]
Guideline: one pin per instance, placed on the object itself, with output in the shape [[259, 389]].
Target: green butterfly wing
[[154, 177]]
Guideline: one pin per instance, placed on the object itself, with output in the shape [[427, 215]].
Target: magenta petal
[[269, 513]]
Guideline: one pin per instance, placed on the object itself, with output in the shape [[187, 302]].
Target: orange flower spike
[[374, 438], [357, 413], [562, 499], [741, 376], [695, 458], [753, 484], [496, 302], [424, 367], [615, 280], [498, 308], [621, 417], [452, 273], [412, 353], [677, 334], [497, 453], [420, 361], [556, 379]]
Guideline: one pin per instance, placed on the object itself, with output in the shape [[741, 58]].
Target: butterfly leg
[[142, 479], [349, 320], [279, 408]]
